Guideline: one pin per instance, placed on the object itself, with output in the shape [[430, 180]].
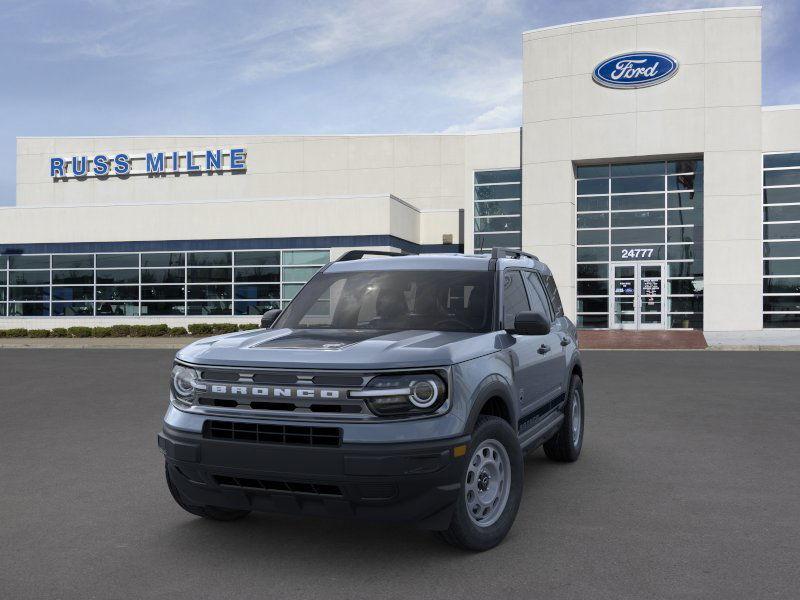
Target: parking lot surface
[[688, 487]]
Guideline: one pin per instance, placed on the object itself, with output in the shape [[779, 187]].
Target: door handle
[[543, 349], [564, 341]]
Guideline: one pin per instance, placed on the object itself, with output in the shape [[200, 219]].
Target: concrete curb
[[170, 343]]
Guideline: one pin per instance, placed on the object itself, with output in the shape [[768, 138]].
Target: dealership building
[[646, 173]]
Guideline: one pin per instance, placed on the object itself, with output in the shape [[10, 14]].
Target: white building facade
[[657, 187]]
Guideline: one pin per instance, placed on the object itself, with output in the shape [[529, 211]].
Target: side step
[[539, 433]]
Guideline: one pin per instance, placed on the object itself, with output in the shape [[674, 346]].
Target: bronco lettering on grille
[[275, 392]]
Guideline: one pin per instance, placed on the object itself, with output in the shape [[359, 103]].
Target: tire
[[566, 444], [215, 513], [494, 443]]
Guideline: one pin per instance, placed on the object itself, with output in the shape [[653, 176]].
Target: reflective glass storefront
[[498, 209], [781, 281], [129, 284], [640, 245]]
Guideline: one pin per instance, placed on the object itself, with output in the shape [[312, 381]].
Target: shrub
[[248, 326], [59, 332], [120, 330], [2, 333], [38, 333], [101, 332], [80, 332], [220, 328], [157, 330], [200, 329], [17, 332], [138, 331], [176, 331]]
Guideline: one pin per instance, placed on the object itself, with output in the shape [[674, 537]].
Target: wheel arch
[[494, 397]]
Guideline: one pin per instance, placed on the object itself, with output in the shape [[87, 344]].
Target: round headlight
[[424, 393], [183, 379]]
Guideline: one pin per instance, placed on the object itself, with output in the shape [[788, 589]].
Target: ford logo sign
[[635, 70]]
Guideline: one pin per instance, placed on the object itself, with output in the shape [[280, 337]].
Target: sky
[[174, 67]]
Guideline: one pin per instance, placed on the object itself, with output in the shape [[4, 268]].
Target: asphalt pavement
[[688, 487]]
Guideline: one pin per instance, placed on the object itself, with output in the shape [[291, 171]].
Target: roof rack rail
[[359, 254], [509, 253]]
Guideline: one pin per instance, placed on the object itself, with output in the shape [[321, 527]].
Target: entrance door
[[637, 290]]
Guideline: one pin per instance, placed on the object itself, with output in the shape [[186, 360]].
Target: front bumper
[[399, 482]]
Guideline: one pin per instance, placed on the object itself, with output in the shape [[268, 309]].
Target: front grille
[[267, 433], [318, 489]]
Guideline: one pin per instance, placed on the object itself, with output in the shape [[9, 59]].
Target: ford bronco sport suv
[[399, 388]]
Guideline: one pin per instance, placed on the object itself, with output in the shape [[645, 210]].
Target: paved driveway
[[688, 487]]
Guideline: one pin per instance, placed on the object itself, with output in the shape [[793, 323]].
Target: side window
[[552, 291], [537, 295], [515, 299]]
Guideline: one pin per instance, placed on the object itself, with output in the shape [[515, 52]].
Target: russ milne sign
[[151, 163], [635, 70]]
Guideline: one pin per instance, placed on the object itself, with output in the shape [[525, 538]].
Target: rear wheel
[[217, 513], [491, 488], [566, 444]]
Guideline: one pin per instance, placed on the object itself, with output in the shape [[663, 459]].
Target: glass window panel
[[209, 259], [589, 171], [298, 274], [592, 271], [779, 249], [684, 182], [118, 276], [782, 303], [306, 257], [782, 231], [685, 200], [680, 234], [220, 307], [2, 294], [624, 185], [498, 192], [254, 307], [498, 224], [162, 292], [257, 258], [684, 217], [789, 159], [592, 288], [162, 309], [782, 195], [117, 309], [592, 186], [776, 321], [73, 277], [29, 277], [637, 219], [73, 261], [28, 309], [486, 241], [593, 321], [84, 292], [504, 207], [117, 292], [593, 220], [788, 177], [782, 267], [113, 261], [29, 261], [680, 252], [209, 292], [257, 274], [598, 203], [782, 213], [684, 286], [3, 262], [592, 254], [637, 202], [694, 321], [681, 269], [637, 236], [29, 293], [498, 176], [782, 285], [3, 308], [648, 168], [73, 309], [694, 304], [255, 292], [684, 166], [2, 277], [220, 275], [592, 236], [290, 290], [163, 276], [593, 305], [164, 259]]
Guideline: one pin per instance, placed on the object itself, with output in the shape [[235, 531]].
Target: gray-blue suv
[[398, 388]]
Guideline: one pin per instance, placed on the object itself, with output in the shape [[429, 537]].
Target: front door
[[636, 299]]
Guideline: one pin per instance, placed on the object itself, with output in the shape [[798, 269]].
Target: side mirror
[[269, 317], [531, 323]]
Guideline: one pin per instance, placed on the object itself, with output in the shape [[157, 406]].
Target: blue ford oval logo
[[635, 70]]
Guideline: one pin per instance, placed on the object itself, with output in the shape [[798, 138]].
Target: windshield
[[394, 301]]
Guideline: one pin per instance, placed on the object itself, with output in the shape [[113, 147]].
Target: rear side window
[[515, 298], [552, 292]]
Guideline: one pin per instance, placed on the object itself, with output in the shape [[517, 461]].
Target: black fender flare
[[491, 387]]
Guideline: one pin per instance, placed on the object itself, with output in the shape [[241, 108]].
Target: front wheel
[[566, 444], [491, 488]]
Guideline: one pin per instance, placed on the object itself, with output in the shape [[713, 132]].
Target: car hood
[[339, 349]]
